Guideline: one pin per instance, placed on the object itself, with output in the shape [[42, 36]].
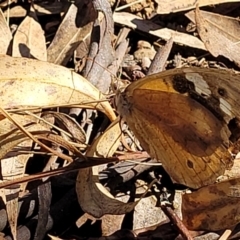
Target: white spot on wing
[[201, 86]]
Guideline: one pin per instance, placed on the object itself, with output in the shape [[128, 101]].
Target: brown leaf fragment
[[41, 8], [214, 207], [29, 39], [6, 35], [165, 6], [146, 26], [44, 198], [75, 27], [220, 35]]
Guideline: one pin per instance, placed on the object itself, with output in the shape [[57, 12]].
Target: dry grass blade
[[74, 166], [6, 114]]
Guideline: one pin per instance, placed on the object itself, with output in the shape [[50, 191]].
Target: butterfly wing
[[182, 122]]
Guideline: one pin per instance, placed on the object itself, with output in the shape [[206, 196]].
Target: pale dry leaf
[[12, 139], [41, 9], [214, 207], [219, 34], [223, 22], [146, 26], [29, 39], [6, 35], [93, 198], [7, 126], [32, 83], [5, 3], [109, 141], [165, 6], [53, 81], [70, 33], [13, 166]]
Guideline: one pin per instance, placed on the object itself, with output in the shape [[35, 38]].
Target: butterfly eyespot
[[222, 92], [189, 163]]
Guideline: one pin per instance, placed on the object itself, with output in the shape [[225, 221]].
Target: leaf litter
[[54, 121]]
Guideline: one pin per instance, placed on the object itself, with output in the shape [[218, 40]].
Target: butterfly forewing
[[180, 117]]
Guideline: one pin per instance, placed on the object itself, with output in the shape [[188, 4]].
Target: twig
[[177, 222], [159, 61]]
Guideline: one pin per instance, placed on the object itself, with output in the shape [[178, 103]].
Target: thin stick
[[177, 222]]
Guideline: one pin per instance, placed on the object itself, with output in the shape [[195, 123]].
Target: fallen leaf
[[12, 167], [109, 141], [6, 35], [93, 198], [146, 26], [30, 83], [29, 39], [214, 207], [220, 35], [165, 6], [73, 29]]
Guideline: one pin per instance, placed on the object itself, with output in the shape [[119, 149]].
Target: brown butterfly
[[183, 118]]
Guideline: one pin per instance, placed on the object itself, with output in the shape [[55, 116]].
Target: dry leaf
[[95, 199], [29, 83], [41, 8], [32, 83], [106, 145], [6, 35], [165, 6], [29, 39], [220, 35], [149, 27], [74, 28], [213, 207], [92, 196], [112, 223], [13, 166]]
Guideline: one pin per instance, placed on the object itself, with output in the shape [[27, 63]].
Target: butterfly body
[[181, 118]]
